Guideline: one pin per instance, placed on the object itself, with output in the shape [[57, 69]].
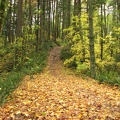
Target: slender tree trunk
[[19, 19], [68, 13], [91, 39], [118, 8], [10, 23], [63, 19], [77, 7], [41, 19], [2, 10], [118, 36], [75, 4], [18, 29], [13, 21], [49, 12], [101, 40], [81, 31], [30, 16], [44, 23], [37, 30]]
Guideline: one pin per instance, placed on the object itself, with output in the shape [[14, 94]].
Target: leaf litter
[[56, 94]]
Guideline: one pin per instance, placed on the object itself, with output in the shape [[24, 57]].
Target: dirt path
[[56, 95]]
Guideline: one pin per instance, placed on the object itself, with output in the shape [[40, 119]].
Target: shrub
[[111, 78], [7, 86], [108, 66], [65, 53], [83, 68], [33, 64]]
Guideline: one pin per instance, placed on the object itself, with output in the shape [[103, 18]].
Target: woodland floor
[[56, 94]]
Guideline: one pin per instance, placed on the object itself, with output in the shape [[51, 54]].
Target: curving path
[[56, 94]]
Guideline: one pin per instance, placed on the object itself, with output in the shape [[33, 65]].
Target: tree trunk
[[101, 40], [2, 10], [37, 30], [19, 19], [91, 39], [18, 30]]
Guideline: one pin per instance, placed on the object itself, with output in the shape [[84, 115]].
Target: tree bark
[[91, 39], [19, 19], [18, 29]]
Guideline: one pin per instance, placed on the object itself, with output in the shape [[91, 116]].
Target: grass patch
[[9, 84]]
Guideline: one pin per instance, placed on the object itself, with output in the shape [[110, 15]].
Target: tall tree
[[68, 13], [2, 10], [37, 24], [91, 38], [48, 20], [18, 30], [118, 9], [19, 19], [77, 7]]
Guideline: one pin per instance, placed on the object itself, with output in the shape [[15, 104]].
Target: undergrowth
[[111, 78], [105, 75], [33, 64]]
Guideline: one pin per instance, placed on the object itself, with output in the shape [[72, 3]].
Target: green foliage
[[78, 45], [7, 86], [65, 53], [108, 66], [47, 45], [108, 72], [110, 78], [83, 68], [32, 64], [2, 9], [36, 63], [6, 60], [60, 42]]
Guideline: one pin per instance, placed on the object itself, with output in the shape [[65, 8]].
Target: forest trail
[[56, 94]]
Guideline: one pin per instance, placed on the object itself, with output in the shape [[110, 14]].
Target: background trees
[[93, 39], [89, 32]]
